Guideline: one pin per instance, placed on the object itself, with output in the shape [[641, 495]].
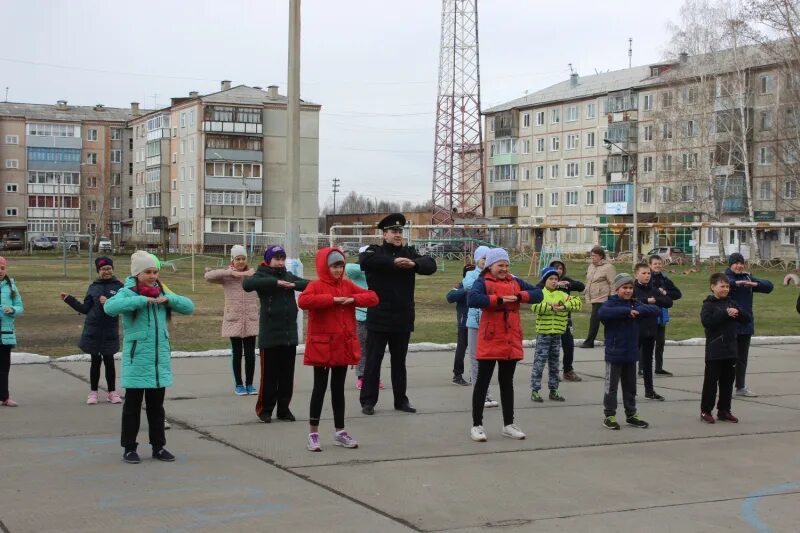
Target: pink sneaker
[[10, 403], [92, 399], [380, 384], [113, 397], [359, 383]]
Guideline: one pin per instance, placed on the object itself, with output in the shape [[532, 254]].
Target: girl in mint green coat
[[10, 309], [145, 306]]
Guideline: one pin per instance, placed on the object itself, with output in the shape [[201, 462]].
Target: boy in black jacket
[[646, 293], [567, 284], [721, 318], [667, 288]]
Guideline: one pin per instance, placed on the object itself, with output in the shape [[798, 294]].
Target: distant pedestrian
[[499, 294], [567, 284], [239, 319], [10, 308], [599, 281], [666, 287], [100, 337], [458, 296]]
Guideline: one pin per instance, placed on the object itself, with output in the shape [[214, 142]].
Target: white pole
[[293, 135]]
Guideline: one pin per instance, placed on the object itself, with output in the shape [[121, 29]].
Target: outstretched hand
[[285, 284], [634, 313]]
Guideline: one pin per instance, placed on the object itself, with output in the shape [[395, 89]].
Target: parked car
[[104, 245], [12, 243], [670, 254], [42, 243]]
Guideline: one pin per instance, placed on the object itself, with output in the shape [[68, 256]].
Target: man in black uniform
[[390, 269]]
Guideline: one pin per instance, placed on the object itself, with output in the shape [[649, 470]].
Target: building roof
[[71, 114], [242, 94]]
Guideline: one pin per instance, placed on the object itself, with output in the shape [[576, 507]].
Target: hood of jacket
[[323, 271], [555, 262], [356, 275]]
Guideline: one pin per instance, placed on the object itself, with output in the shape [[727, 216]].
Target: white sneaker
[[746, 392], [313, 443], [513, 432], [477, 434], [490, 402]]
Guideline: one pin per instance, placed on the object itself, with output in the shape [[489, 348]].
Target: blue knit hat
[[480, 252], [547, 272], [273, 251], [494, 255]]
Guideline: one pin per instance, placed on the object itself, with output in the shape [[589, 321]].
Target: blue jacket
[[145, 336], [9, 297], [622, 331], [357, 276], [458, 296], [660, 281], [743, 296], [100, 331], [473, 314]]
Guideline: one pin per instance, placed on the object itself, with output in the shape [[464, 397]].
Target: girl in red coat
[[331, 340], [499, 295]]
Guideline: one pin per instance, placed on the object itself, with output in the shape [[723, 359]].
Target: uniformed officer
[[390, 269]]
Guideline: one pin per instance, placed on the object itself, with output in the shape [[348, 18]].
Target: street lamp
[[635, 239]]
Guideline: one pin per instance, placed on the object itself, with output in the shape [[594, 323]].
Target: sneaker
[[653, 395], [556, 396], [10, 403], [636, 422], [313, 443], [610, 422], [746, 392], [360, 383], [513, 432], [458, 380], [706, 417], [342, 438], [477, 434], [572, 376], [662, 372], [251, 390], [113, 397], [167, 425], [240, 390], [381, 386], [163, 455], [726, 416], [131, 457], [92, 398], [586, 345], [490, 402], [536, 397]]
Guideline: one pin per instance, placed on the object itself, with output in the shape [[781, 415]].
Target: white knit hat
[[141, 261], [237, 250]]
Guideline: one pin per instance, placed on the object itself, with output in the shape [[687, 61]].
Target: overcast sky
[[372, 64]]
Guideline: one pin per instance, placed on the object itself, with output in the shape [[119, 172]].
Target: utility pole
[[293, 135], [335, 190]]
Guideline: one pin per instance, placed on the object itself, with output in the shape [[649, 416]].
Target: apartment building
[[686, 130], [210, 167], [62, 169]]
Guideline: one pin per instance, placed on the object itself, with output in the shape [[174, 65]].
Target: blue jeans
[[547, 349]]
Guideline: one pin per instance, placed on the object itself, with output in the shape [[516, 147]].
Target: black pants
[[742, 351], [243, 346], [616, 373], [646, 345], [568, 347], [99, 359], [594, 324], [132, 413], [719, 373], [277, 379], [461, 351], [338, 375], [376, 346], [661, 337], [505, 377], [5, 367]]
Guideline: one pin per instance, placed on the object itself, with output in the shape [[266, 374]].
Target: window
[[191, 118], [174, 157], [648, 102], [572, 141], [689, 95], [615, 193], [540, 118], [191, 201], [183, 173], [527, 174], [91, 158], [590, 139], [506, 146], [765, 155], [116, 227], [571, 234], [666, 132], [571, 198], [491, 150], [766, 120], [573, 170], [505, 199], [540, 145], [648, 132], [690, 161], [12, 163], [91, 135], [589, 197], [647, 195], [11, 211], [183, 147], [116, 202], [666, 99], [788, 235], [540, 172], [491, 124], [59, 155], [711, 235], [174, 210], [666, 194], [690, 128], [591, 111], [688, 193], [666, 162], [554, 170], [572, 113], [183, 120], [191, 145], [555, 116], [191, 173], [174, 185], [54, 178], [553, 199], [116, 179], [526, 146], [765, 190], [765, 84], [555, 144], [589, 168], [233, 170], [11, 187], [790, 190], [647, 163], [525, 199], [12, 139], [181, 202], [526, 120], [503, 173], [91, 205], [116, 134], [540, 199], [116, 156], [54, 130], [91, 182]]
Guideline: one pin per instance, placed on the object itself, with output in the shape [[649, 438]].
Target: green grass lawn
[[50, 327]]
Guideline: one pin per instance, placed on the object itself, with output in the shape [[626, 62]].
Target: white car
[[104, 245]]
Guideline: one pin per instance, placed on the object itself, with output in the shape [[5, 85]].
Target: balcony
[[733, 205], [153, 161], [506, 211], [504, 159], [233, 183], [618, 199], [246, 128], [160, 133], [54, 188], [631, 115], [619, 177], [731, 102], [53, 212], [222, 154], [36, 141], [506, 124]]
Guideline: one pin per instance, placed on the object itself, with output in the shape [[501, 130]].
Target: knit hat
[[494, 255], [547, 272], [735, 257], [237, 250], [622, 279], [480, 252], [103, 261], [273, 251], [3, 261], [141, 261], [335, 257]]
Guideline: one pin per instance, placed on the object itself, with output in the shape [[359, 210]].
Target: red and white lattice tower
[[458, 155]]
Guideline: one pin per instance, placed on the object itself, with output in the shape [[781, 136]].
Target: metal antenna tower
[[458, 152]]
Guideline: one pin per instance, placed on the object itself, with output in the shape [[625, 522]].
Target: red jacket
[[331, 332]]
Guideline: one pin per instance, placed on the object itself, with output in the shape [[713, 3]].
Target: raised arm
[[124, 301], [266, 284], [371, 261], [313, 298], [426, 265], [178, 303], [616, 312], [363, 297], [218, 275], [673, 292], [764, 285], [456, 295], [712, 315], [477, 296], [529, 293], [82, 308]]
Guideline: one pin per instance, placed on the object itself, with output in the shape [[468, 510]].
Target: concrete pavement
[[60, 467]]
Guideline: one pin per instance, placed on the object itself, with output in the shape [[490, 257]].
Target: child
[[499, 295], [240, 318], [331, 341], [646, 293], [620, 315], [473, 321], [100, 337], [146, 308], [666, 287], [458, 296], [277, 332], [567, 285], [356, 275], [743, 285], [721, 318], [551, 323], [10, 308]]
